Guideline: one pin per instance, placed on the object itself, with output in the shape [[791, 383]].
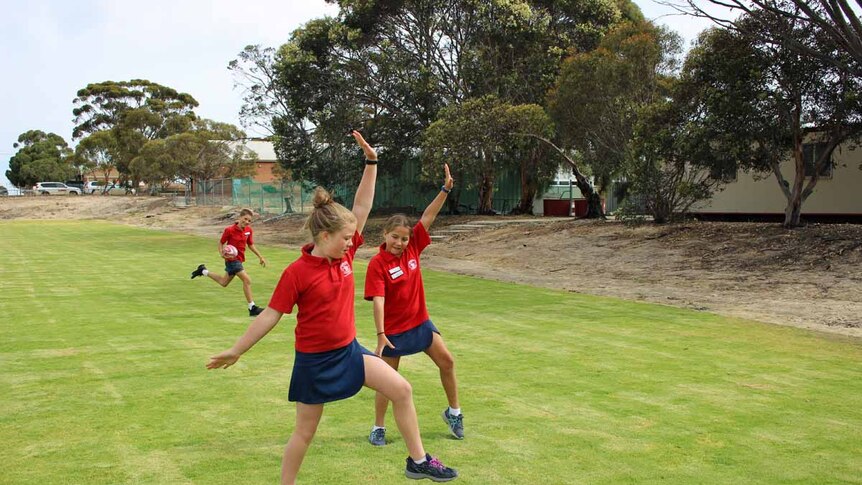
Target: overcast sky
[[51, 48]]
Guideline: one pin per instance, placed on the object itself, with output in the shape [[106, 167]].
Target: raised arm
[[434, 207], [365, 193]]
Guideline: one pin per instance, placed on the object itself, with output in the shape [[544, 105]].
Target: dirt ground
[[808, 277]]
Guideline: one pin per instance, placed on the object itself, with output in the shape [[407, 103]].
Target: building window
[[810, 154]]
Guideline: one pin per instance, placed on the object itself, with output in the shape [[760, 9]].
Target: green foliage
[[371, 69], [102, 106], [99, 151], [671, 169], [598, 95], [131, 113], [40, 157], [209, 150]]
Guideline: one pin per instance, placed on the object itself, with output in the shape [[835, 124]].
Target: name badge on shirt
[[345, 269], [396, 272]]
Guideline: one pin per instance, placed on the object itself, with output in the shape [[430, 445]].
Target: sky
[[49, 49]]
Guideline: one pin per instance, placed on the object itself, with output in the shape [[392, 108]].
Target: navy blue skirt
[[322, 377], [413, 341]]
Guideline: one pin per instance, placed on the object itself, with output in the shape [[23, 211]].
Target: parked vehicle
[[55, 188], [75, 183], [94, 187], [3, 191], [98, 187]]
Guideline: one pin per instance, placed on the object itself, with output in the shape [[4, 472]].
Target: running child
[[329, 363], [240, 235], [394, 284]]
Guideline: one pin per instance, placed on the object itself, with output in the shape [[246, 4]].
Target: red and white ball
[[229, 251]]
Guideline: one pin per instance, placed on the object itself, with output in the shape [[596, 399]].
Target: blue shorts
[[322, 377], [413, 341], [233, 267]]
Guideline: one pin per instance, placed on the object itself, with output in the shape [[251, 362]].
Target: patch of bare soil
[[808, 277]]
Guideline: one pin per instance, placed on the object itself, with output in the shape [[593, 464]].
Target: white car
[[94, 187], [55, 188]]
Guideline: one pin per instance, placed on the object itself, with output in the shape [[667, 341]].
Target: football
[[229, 251]]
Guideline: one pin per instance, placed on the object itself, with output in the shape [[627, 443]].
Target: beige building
[[838, 191]]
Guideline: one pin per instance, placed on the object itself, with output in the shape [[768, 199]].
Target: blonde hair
[[397, 220], [327, 215]]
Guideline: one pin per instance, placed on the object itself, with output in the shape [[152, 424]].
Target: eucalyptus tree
[[100, 151], [598, 94], [478, 139], [210, 150], [40, 156], [132, 112], [761, 103]]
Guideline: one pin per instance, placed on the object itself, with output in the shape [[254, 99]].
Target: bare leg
[[222, 279], [446, 363], [307, 419], [380, 401], [246, 285], [380, 377]]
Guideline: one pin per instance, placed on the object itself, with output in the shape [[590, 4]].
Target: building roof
[[264, 149]]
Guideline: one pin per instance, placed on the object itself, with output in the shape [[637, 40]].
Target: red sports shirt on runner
[[399, 280], [238, 238], [324, 292]]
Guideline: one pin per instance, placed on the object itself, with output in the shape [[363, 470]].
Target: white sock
[[419, 462], [454, 411], [375, 427], [205, 272], [251, 305]]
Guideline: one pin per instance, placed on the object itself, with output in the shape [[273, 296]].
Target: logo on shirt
[[412, 264], [396, 272], [345, 269]]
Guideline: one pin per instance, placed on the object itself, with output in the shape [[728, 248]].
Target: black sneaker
[[431, 469], [199, 271], [254, 311]]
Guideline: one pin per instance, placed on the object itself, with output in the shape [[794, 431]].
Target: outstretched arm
[[434, 207], [256, 331], [365, 193]]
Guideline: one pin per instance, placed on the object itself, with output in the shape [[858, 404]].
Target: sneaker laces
[[378, 433], [435, 463], [456, 420]]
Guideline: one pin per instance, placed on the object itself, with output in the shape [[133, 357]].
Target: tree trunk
[[793, 211], [486, 195], [528, 190], [594, 203], [594, 200]]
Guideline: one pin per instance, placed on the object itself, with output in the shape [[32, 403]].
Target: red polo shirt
[[324, 292], [238, 238], [399, 280]]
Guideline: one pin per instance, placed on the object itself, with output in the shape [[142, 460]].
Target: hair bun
[[322, 198]]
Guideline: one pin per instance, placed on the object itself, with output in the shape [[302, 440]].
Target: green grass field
[[103, 341]]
